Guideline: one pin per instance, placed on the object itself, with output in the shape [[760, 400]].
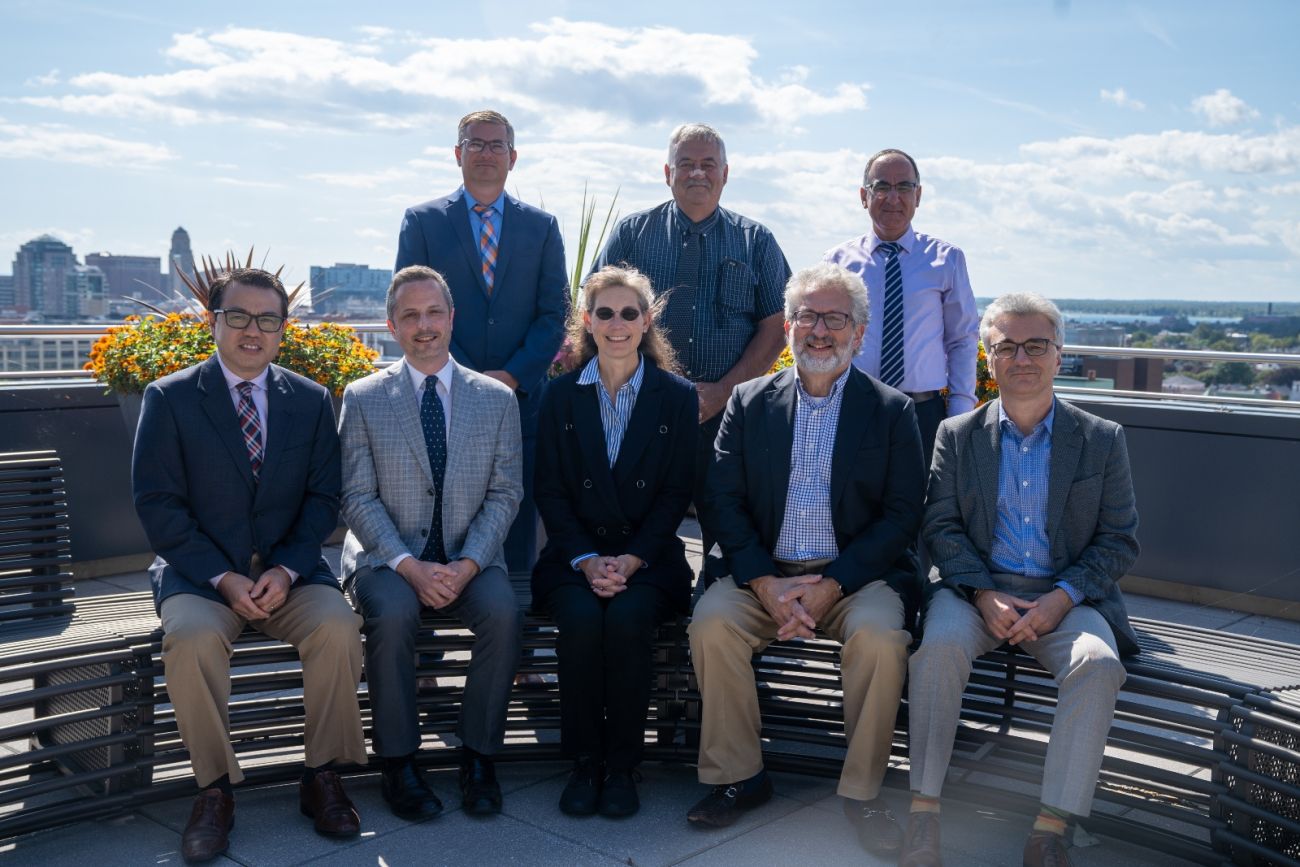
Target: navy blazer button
[[492, 322], [627, 531], [640, 483], [568, 425], [586, 483], [663, 428], [600, 531], [431, 493]]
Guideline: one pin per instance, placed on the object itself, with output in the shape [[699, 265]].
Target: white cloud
[[361, 180], [1221, 108], [49, 78], [248, 184], [1120, 97], [60, 144]]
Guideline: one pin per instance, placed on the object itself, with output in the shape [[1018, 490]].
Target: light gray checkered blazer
[[388, 486]]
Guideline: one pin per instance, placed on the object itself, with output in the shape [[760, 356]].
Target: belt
[[922, 396]]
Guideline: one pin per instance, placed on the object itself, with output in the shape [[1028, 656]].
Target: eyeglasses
[[629, 314], [880, 189], [478, 145], [1034, 347], [267, 322], [834, 320]]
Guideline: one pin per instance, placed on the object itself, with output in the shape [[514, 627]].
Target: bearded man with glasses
[[236, 475], [816, 496], [922, 336], [1031, 523]]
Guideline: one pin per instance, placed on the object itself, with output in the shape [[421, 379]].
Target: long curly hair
[[654, 345]]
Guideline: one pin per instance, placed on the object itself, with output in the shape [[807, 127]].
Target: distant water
[[1140, 318]]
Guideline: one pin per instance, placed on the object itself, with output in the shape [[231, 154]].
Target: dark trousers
[[606, 654], [704, 454], [928, 415], [391, 612]]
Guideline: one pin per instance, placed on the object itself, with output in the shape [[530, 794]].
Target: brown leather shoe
[[878, 830], [207, 833], [1044, 849], [921, 842], [324, 801]]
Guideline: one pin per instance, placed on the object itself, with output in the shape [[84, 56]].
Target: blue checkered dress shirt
[[807, 532], [1020, 543], [742, 279]]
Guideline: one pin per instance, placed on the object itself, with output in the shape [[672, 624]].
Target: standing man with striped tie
[[504, 263], [924, 337], [236, 477]]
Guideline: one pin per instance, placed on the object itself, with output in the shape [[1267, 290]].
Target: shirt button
[[1026, 520], [1026, 553], [1025, 449], [1025, 483]]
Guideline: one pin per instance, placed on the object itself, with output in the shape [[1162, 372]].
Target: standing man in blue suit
[[236, 476], [504, 262]]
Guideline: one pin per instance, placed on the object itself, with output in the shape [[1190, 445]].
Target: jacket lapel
[[986, 441], [1067, 448], [641, 425], [458, 214], [220, 410], [279, 406], [857, 405], [591, 437], [779, 419], [401, 395]]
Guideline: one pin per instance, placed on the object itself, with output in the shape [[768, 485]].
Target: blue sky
[[1080, 149]]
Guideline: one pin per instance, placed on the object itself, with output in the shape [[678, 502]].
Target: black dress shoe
[[724, 804], [878, 830], [582, 793], [618, 798], [408, 795], [480, 794]]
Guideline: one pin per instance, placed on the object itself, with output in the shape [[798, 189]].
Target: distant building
[[180, 261], [84, 293], [347, 290], [1182, 384], [1090, 334], [1126, 374], [128, 277], [62, 352], [40, 271], [1093, 382], [6, 292]]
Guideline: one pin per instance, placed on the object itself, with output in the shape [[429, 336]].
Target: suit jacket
[[877, 481], [633, 507], [519, 327], [1091, 512], [194, 489], [388, 490]]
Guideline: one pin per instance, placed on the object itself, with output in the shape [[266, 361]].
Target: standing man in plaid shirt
[[816, 497], [722, 274]]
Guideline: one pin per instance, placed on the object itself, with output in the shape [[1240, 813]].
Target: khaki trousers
[[730, 625], [316, 619]]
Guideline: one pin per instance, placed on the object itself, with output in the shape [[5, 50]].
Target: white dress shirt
[[443, 384]]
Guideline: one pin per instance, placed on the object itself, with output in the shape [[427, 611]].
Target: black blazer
[[194, 489], [633, 507], [877, 482]]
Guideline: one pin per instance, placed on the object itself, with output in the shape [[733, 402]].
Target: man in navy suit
[[236, 475], [504, 262]]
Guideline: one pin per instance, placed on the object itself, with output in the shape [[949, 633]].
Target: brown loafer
[[878, 830], [1044, 849], [921, 842], [325, 803], [207, 833]]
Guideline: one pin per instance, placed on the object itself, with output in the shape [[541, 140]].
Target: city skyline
[[1085, 151]]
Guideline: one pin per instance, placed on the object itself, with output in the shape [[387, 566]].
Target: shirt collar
[[591, 374], [835, 386], [907, 240], [1006, 423], [444, 376], [684, 222], [259, 381], [499, 204]]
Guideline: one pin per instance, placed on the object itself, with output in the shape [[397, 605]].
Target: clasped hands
[[437, 585], [797, 603], [1015, 620], [608, 576], [255, 600]]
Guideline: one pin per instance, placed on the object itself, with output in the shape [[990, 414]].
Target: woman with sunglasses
[[615, 446]]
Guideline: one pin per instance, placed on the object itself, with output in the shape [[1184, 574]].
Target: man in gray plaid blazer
[[431, 483]]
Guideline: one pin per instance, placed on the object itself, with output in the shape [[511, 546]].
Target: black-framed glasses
[[834, 320], [267, 322], [1034, 347], [629, 314], [880, 189], [477, 146]]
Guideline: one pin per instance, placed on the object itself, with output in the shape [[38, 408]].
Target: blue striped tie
[[891, 337]]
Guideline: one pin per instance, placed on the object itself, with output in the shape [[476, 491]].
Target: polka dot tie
[[433, 420]]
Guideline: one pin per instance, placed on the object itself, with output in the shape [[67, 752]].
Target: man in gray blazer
[[431, 482], [1031, 523]]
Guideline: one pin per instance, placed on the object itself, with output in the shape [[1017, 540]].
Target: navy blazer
[[633, 507], [194, 489], [877, 482], [519, 327]]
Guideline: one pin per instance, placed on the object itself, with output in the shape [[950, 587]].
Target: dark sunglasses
[[629, 314]]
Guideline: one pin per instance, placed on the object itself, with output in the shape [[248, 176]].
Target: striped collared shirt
[[615, 412], [807, 532]]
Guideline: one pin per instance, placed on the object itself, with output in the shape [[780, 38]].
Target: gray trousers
[[1082, 657], [391, 611]]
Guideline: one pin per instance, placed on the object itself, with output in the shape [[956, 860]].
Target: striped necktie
[[487, 244], [251, 426], [891, 336]]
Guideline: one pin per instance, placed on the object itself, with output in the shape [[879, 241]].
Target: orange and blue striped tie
[[487, 244]]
